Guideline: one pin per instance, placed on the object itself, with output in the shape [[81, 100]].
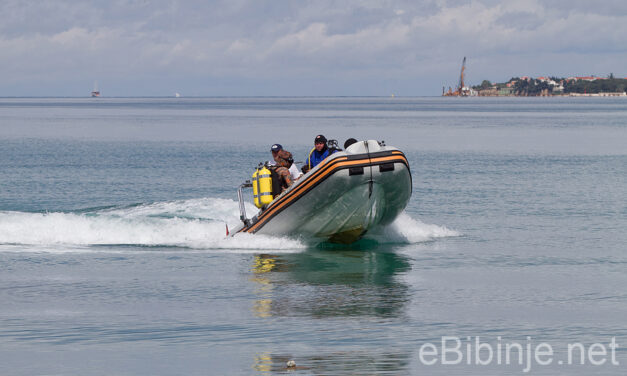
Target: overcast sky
[[276, 47]]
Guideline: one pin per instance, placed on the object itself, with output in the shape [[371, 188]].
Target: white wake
[[194, 224]]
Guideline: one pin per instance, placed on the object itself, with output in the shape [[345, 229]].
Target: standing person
[[318, 153]]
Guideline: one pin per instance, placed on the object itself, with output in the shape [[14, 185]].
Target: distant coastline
[[589, 86]]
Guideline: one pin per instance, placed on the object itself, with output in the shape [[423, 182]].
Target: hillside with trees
[[545, 86], [610, 85]]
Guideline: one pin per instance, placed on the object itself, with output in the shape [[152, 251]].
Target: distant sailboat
[[96, 92], [177, 95]]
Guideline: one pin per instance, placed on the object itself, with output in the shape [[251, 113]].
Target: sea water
[[114, 258]]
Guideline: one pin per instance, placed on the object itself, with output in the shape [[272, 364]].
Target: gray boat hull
[[350, 193]]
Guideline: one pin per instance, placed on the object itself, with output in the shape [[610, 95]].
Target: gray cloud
[[239, 47]]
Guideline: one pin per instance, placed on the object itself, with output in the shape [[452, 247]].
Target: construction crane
[[461, 90], [460, 87]]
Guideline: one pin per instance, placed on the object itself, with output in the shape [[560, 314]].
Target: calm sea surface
[[114, 260]]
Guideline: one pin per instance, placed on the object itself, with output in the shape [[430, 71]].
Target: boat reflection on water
[[330, 283], [339, 363], [325, 284]]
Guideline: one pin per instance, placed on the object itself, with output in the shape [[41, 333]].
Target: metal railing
[[242, 207]]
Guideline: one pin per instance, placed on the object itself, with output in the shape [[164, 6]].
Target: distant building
[[584, 78], [505, 91], [488, 92]]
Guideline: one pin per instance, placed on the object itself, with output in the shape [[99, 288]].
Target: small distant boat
[[95, 93], [177, 95]]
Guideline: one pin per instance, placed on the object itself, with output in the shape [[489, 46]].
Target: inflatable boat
[[341, 199]]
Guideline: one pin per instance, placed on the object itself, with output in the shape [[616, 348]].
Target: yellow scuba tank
[[262, 187]]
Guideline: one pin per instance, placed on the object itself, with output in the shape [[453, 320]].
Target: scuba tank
[[333, 146], [262, 186]]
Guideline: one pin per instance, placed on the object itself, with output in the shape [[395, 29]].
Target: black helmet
[[349, 142], [320, 139]]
